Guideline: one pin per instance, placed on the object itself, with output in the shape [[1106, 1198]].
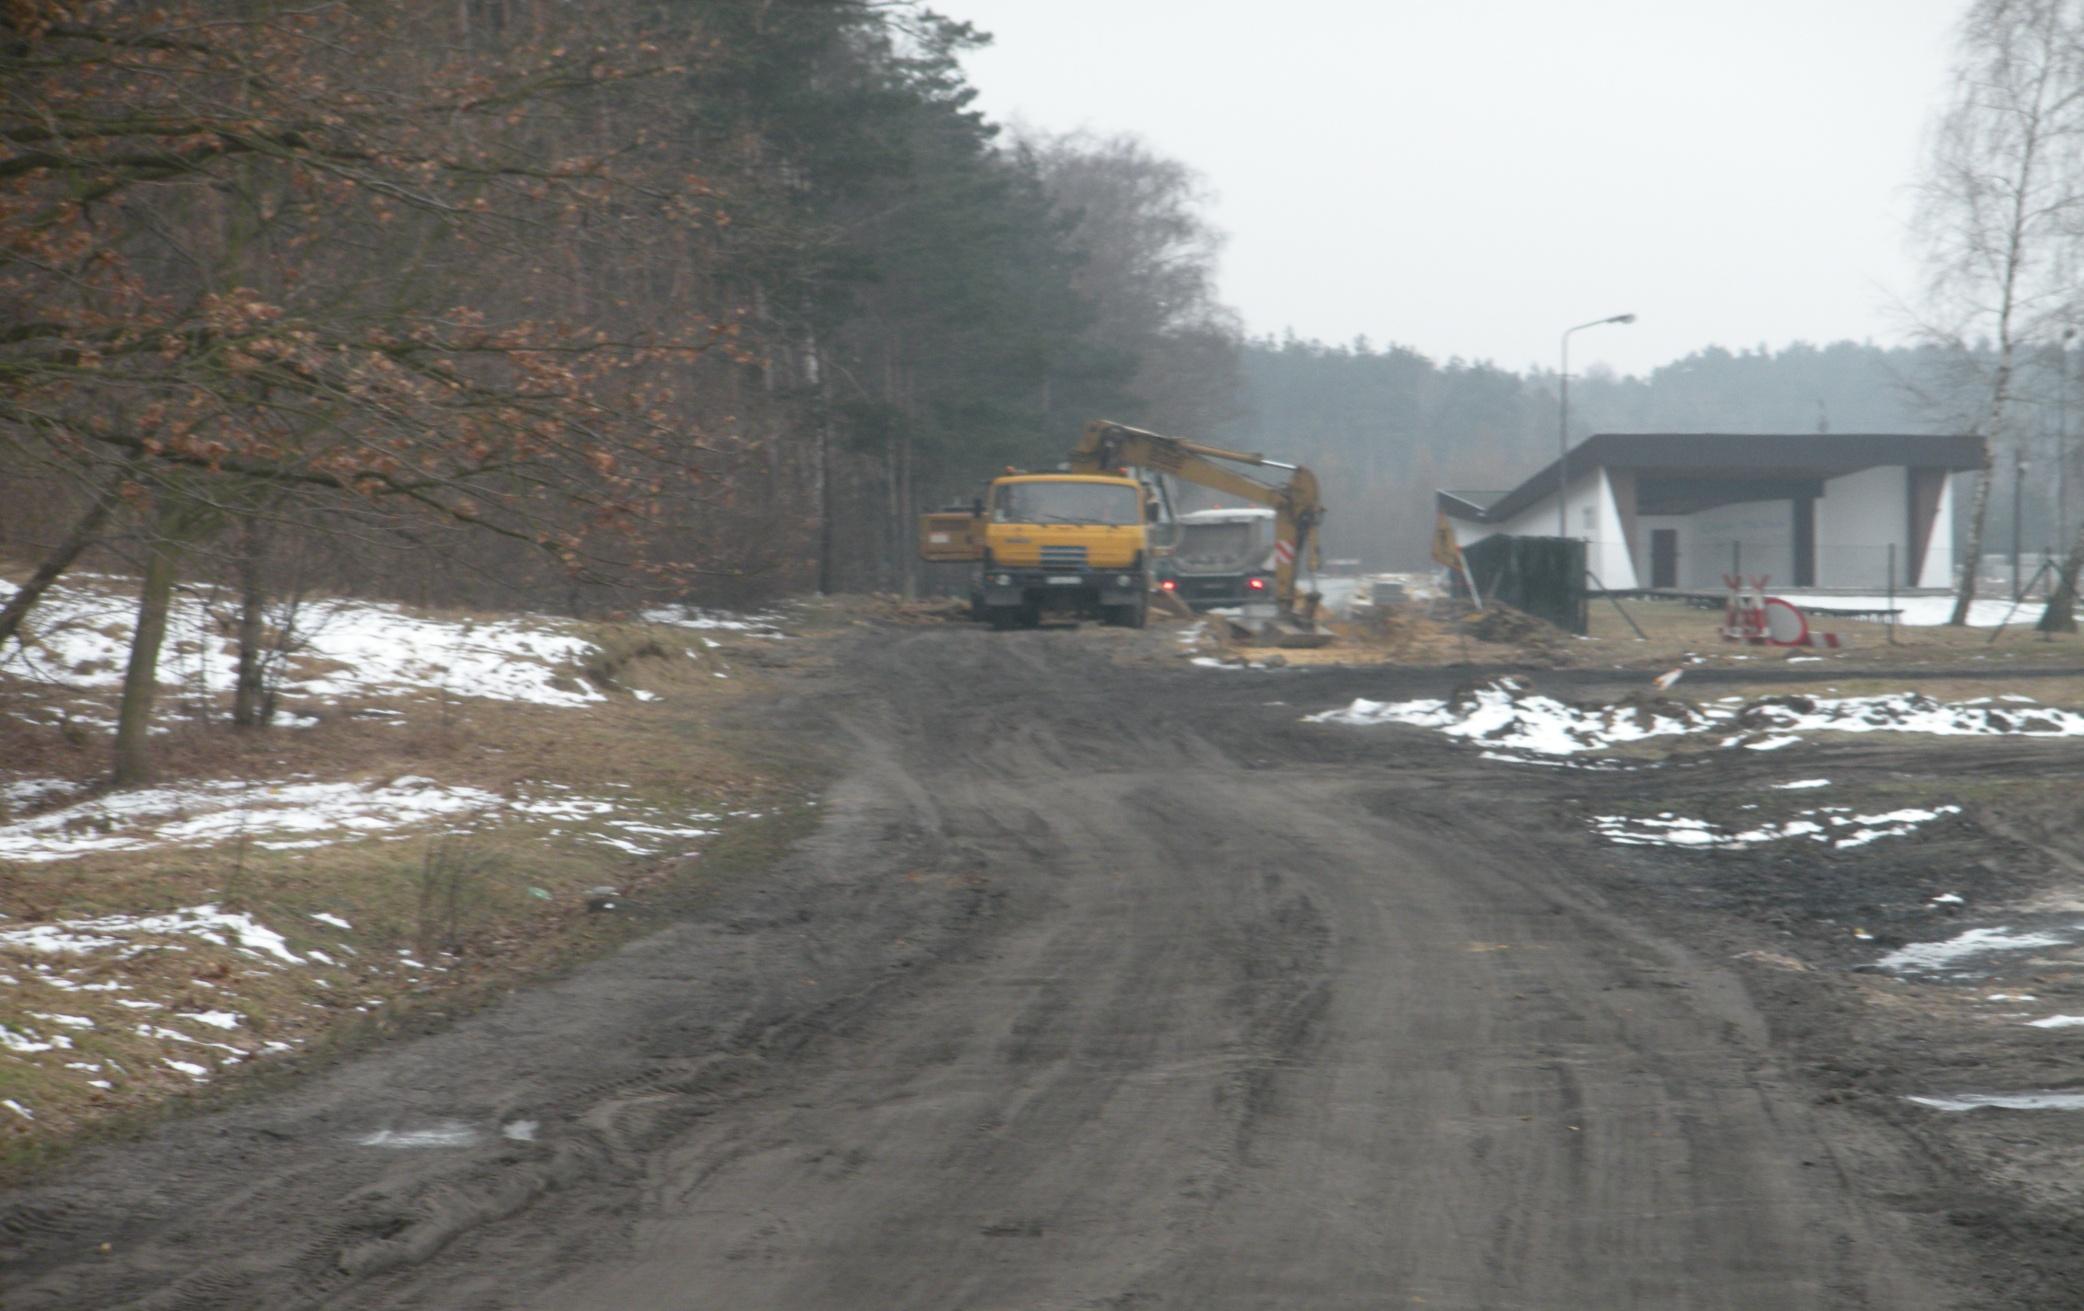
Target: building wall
[[1592, 513], [1753, 538], [1681, 524], [1939, 554], [1858, 518]]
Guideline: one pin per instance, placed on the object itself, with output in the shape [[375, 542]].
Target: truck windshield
[[1218, 546], [1067, 502]]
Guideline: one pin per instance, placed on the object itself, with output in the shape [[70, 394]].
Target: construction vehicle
[[1078, 542], [1052, 543], [1297, 511], [1224, 557]]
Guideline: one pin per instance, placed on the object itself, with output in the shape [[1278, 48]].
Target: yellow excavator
[[1078, 541]]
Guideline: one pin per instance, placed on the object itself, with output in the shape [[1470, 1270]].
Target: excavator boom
[[1107, 446]]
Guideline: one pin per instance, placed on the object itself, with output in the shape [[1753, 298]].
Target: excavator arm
[[1108, 446]]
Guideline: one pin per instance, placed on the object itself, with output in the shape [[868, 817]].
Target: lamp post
[[1563, 425], [2062, 440]]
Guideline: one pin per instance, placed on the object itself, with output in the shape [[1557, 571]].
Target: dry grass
[[444, 911]]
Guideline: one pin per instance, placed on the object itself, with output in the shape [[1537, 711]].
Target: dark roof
[[1748, 457]]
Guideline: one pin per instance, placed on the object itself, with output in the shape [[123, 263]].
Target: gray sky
[[1470, 178]]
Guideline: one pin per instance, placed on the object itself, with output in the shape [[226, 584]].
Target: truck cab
[[1052, 543]]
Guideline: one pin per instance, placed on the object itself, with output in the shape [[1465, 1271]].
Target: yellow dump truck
[[1051, 543]]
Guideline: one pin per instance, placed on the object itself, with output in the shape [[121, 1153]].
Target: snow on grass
[[1913, 611], [78, 636], [1824, 826], [1504, 714], [1801, 784], [20, 792], [273, 815], [303, 814], [693, 616], [2056, 1022], [129, 934]]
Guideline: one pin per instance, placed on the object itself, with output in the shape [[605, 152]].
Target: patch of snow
[[334, 920], [1801, 784], [189, 1068], [32, 791], [79, 937], [22, 1043], [208, 813], [2056, 1022], [520, 1131], [215, 1019], [1506, 715], [19, 1109], [1938, 957], [448, 1133], [2026, 1101], [1667, 831], [691, 616], [79, 634]]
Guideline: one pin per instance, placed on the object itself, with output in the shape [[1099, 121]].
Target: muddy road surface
[[1103, 982]]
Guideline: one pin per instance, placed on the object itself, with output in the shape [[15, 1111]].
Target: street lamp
[[1563, 424], [2062, 440]]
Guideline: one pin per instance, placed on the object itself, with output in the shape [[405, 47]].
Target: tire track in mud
[[1096, 987]]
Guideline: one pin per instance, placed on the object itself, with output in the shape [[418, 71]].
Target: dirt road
[[1101, 984]]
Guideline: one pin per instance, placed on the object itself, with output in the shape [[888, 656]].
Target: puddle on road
[[520, 1131], [445, 1133], [2022, 1101]]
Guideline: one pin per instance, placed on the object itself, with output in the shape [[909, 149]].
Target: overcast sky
[[1470, 177]]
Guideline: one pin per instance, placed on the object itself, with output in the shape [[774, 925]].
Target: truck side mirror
[[977, 508], [1150, 512]]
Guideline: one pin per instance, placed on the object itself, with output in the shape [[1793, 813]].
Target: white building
[[1681, 510]]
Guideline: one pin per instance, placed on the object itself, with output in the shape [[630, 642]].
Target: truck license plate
[[1071, 580]]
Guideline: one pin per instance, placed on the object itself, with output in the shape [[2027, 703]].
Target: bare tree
[[2001, 204], [1148, 271]]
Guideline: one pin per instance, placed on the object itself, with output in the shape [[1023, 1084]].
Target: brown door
[[1664, 557]]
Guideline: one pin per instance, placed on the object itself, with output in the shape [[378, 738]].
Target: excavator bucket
[[1292, 630]]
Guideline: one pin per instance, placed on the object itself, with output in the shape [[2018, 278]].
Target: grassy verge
[[159, 972]]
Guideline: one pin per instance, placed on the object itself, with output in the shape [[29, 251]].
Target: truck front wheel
[[1127, 616]]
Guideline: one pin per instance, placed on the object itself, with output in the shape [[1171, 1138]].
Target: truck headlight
[[1122, 580], [1004, 580]]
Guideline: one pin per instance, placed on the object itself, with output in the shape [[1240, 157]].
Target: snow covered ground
[[78, 637], [79, 633], [303, 813], [1836, 826], [693, 616], [1914, 611], [1505, 715]]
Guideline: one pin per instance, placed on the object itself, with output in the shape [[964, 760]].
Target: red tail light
[[1168, 585], [1256, 584]]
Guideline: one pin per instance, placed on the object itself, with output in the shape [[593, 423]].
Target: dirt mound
[[1503, 624]]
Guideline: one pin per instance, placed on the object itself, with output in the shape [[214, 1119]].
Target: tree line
[[559, 305], [1388, 426]]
